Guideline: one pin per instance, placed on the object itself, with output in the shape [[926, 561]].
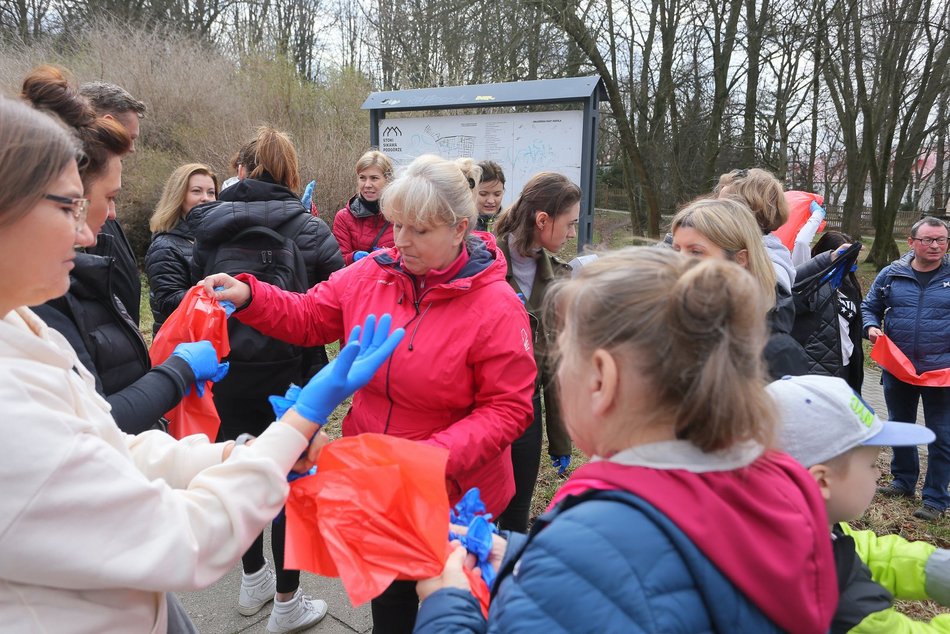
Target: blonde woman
[[169, 256], [725, 229], [685, 521], [359, 227], [762, 193], [464, 376]]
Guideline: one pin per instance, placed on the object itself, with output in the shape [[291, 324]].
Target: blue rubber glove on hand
[[202, 358], [226, 304], [359, 255], [352, 369], [308, 195], [816, 210], [561, 463]]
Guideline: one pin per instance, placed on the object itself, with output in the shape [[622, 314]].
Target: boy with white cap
[[830, 430]]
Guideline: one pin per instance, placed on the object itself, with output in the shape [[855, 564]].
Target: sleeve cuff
[[938, 576]]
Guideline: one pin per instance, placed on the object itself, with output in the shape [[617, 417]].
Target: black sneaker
[[928, 513], [891, 490]]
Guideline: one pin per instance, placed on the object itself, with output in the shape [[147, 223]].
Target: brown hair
[[34, 151], [491, 171], [168, 210], [271, 152], [761, 192], [692, 327], [49, 88], [549, 192]]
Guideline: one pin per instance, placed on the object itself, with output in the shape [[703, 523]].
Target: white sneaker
[[297, 614], [257, 590]]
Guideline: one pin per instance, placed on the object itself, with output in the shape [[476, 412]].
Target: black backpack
[[271, 256]]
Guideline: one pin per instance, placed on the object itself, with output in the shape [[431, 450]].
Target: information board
[[523, 143]]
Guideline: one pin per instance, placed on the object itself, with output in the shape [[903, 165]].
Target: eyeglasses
[[80, 207], [928, 241]]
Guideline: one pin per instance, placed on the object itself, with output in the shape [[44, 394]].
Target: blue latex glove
[[202, 358], [308, 194], [359, 255], [352, 369], [816, 209], [226, 304], [470, 512], [561, 463]]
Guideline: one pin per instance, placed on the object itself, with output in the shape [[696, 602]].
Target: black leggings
[[394, 611], [526, 462], [251, 416]]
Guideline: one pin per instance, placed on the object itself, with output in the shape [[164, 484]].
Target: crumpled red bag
[[376, 510], [199, 316], [799, 211], [890, 357]]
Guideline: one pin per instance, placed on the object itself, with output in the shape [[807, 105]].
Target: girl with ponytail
[[685, 519]]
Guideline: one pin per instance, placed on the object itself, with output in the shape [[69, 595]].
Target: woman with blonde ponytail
[[685, 519], [260, 225]]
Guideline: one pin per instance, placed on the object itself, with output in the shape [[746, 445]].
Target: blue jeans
[[902, 399]]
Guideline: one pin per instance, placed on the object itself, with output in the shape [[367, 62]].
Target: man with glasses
[[912, 298], [116, 103]]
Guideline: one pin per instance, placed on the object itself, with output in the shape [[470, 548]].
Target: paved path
[[214, 610]]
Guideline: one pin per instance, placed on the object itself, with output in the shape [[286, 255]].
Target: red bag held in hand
[[376, 511], [799, 211], [890, 357], [198, 317]]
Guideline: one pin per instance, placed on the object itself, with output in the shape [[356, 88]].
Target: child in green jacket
[[828, 428]]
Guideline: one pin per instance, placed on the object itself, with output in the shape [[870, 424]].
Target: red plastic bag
[[890, 357], [198, 316], [799, 211], [377, 510]]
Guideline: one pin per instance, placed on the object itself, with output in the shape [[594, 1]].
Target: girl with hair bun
[[359, 227], [90, 315], [725, 229], [530, 232], [685, 520], [463, 377]]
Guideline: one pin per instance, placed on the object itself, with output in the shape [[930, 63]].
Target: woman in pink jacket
[[359, 227], [464, 375]]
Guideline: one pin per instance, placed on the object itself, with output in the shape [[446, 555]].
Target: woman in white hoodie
[[97, 526]]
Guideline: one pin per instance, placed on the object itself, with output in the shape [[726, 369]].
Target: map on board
[[523, 143]]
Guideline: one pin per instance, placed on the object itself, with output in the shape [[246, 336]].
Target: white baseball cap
[[822, 417]]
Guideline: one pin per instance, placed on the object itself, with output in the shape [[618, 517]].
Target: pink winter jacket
[[463, 376], [355, 228]]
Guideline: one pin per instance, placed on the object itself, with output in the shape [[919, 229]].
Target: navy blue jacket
[[916, 319], [605, 561]]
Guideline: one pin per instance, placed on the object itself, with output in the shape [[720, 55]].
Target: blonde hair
[[433, 191], [271, 152], [691, 327], [729, 225], [34, 151], [168, 210], [549, 192], [761, 192], [375, 158]]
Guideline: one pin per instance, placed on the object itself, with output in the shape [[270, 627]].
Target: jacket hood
[[360, 208], [763, 526], [781, 318], [250, 203], [902, 264], [781, 258]]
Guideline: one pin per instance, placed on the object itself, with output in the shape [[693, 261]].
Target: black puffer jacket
[[126, 283], [168, 267], [109, 344], [783, 355], [817, 327], [261, 365]]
